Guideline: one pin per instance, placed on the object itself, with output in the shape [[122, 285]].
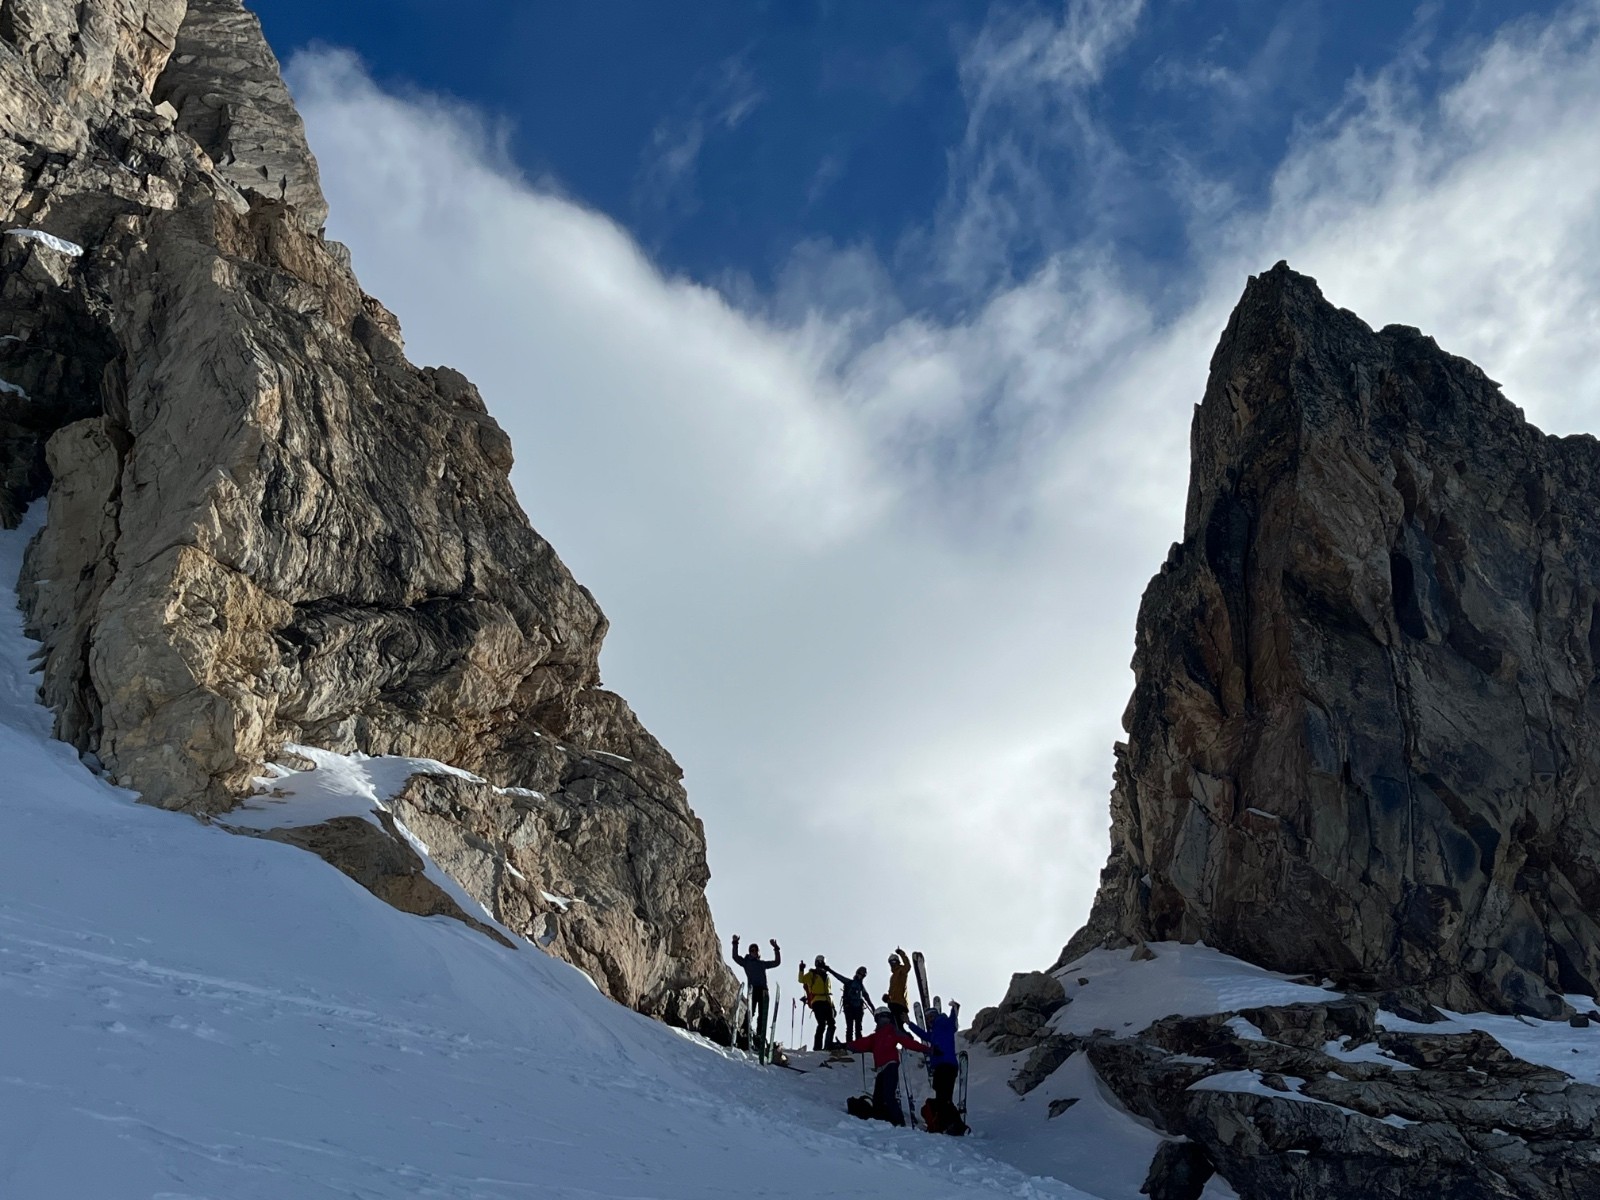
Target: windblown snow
[[190, 1013]]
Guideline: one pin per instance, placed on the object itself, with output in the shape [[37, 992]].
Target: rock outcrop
[[267, 526], [1358, 1097], [1364, 739], [1328, 1103]]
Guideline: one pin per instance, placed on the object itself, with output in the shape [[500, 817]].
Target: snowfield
[[191, 1014]]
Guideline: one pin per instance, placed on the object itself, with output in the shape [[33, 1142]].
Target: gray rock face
[[1364, 740], [1179, 1171], [1426, 1115], [267, 526], [1019, 1020], [580, 868]]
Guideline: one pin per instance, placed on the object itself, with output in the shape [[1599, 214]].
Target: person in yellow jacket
[[819, 995], [895, 997]]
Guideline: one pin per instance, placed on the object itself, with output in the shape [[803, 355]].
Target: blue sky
[[849, 353], [725, 133]]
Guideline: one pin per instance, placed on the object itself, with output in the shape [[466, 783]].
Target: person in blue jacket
[[941, 1035]]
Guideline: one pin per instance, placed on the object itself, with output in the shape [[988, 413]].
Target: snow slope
[[191, 1013]]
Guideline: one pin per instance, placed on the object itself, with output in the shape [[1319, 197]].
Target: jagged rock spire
[[1364, 739]]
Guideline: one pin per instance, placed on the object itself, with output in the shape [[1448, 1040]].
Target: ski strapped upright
[[924, 1006], [921, 968]]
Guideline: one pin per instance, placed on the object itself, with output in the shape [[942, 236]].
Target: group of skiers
[[892, 1030]]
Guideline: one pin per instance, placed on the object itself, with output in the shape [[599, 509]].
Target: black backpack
[[859, 1106]]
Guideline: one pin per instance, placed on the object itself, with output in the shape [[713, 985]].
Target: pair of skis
[[770, 1038], [760, 1041], [919, 967]]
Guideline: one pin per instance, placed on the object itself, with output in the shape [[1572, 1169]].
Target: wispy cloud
[[1023, 51], [872, 572], [718, 104], [1239, 79], [1028, 77]]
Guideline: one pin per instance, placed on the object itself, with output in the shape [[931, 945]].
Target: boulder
[[1035, 991], [1178, 1171], [1046, 1057]]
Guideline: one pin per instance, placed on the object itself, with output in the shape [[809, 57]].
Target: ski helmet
[[883, 1014]]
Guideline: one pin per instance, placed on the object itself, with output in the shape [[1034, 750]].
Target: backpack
[[859, 1106], [942, 1118]]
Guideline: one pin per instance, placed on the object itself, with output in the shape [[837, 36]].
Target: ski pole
[[911, 1099]]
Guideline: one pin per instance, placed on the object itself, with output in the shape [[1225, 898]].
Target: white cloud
[[873, 576]]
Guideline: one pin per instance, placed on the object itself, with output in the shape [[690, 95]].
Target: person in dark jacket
[[755, 972], [884, 1043], [853, 1001], [941, 1035]]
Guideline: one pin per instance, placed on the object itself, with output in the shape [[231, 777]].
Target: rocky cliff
[[1363, 746], [266, 526], [1364, 739]]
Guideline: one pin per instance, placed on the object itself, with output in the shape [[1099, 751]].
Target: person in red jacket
[[884, 1042]]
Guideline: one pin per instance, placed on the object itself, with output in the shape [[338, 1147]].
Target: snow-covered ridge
[[1194, 980]]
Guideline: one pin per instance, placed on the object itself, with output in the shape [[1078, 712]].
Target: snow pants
[[886, 1095], [944, 1082], [822, 1010], [760, 1008], [852, 1022]]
